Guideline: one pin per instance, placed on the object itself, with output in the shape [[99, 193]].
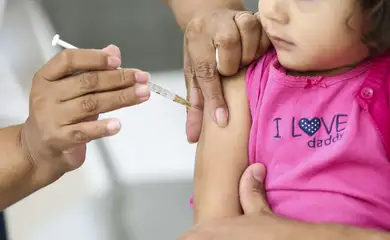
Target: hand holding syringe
[[153, 87]]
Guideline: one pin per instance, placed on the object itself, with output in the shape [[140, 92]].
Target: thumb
[[252, 192]]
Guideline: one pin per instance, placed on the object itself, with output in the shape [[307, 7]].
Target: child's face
[[314, 35]]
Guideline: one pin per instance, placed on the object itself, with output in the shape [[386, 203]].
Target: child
[[320, 109]]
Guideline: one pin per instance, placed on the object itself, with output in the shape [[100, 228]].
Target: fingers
[[252, 192], [93, 104], [202, 55], [84, 132], [194, 122], [265, 43], [228, 43], [194, 95], [98, 81], [72, 61], [249, 29]]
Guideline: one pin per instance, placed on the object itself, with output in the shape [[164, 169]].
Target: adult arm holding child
[[259, 222]]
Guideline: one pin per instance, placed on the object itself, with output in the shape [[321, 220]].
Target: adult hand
[[67, 96], [239, 38], [259, 223]]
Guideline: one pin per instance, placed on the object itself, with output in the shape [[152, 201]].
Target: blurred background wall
[[145, 30]]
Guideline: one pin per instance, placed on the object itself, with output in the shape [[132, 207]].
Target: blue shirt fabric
[[3, 229]]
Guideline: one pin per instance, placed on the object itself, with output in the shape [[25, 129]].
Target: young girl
[[319, 107]]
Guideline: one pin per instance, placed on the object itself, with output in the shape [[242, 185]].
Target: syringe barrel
[[161, 91]]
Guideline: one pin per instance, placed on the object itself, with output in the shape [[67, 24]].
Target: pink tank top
[[322, 142]]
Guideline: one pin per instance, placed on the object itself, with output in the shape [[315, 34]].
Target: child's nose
[[276, 10]]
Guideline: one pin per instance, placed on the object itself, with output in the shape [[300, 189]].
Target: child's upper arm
[[222, 156]]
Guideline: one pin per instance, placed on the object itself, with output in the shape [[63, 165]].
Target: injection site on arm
[[152, 86], [222, 157]]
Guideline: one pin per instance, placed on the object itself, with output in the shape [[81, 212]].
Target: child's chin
[[295, 64]]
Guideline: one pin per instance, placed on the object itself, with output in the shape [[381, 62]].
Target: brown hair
[[377, 35]]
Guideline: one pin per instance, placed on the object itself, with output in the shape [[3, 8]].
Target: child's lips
[[280, 42]]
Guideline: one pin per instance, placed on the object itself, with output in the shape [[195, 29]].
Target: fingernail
[[142, 91], [258, 172], [114, 62], [221, 117], [113, 126], [244, 14], [109, 47], [142, 77]]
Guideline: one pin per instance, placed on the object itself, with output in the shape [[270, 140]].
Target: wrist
[[342, 232], [42, 172], [325, 231], [228, 5], [185, 11], [19, 176]]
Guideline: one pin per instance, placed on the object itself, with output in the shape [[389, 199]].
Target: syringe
[[152, 86]]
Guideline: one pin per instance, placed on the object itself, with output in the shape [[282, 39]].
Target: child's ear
[[357, 19]]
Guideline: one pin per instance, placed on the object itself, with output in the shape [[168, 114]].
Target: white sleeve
[[2, 9], [13, 101]]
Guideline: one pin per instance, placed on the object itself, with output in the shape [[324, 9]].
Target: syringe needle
[[182, 101], [153, 87]]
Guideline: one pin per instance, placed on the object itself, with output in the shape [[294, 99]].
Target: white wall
[[152, 144]]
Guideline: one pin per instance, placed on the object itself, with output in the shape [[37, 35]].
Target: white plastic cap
[[55, 40]]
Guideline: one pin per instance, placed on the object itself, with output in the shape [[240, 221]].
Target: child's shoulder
[[256, 76], [374, 95], [379, 72], [264, 61], [259, 69]]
